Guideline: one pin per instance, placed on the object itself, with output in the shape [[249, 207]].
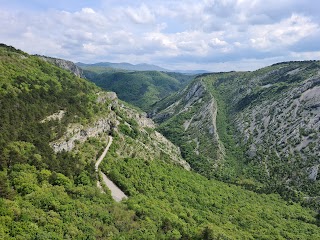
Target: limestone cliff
[[193, 113], [64, 64], [148, 144], [263, 124]]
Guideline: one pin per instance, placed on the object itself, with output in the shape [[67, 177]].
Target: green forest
[[53, 195], [140, 88]]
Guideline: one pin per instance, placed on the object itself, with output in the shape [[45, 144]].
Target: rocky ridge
[[268, 120], [195, 110], [149, 144], [286, 127], [64, 64]]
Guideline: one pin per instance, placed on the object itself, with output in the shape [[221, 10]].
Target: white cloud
[[282, 34], [181, 33], [88, 10], [217, 42], [140, 15]]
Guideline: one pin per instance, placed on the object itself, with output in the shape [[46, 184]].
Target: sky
[[213, 35]]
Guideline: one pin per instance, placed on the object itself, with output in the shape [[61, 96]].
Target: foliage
[[30, 90], [47, 195], [237, 95], [141, 89], [60, 211], [189, 206]]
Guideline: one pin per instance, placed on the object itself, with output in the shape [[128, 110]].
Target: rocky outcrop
[[313, 172], [198, 109], [148, 144], [288, 125], [64, 64], [55, 116], [272, 113], [194, 93], [80, 133], [102, 97]]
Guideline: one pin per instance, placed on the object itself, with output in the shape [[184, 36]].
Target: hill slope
[[266, 126], [53, 127], [141, 89]]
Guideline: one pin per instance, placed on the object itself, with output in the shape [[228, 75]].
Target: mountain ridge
[[239, 96], [124, 66]]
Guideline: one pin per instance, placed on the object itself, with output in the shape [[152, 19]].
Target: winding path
[[116, 192]]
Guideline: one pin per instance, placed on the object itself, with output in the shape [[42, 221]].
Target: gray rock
[[82, 133], [64, 64], [313, 172]]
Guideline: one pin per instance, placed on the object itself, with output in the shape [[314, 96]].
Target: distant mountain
[[111, 67], [122, 66], [192, 72]]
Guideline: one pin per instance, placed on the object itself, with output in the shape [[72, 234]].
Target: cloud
[[88, 10], [282, 34], [140, 15], [169, 32]]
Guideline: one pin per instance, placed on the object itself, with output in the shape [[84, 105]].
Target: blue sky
[[215, 35]]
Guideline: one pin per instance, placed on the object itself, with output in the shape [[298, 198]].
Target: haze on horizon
[[214, 35]]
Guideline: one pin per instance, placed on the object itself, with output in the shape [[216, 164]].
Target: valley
[[230, 155], [139, 88], [267, 129]]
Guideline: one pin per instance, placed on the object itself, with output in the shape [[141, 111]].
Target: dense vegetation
[[31, 90], [48, 195], [255, 111], [44, 195], [182, 204], [141, 89]]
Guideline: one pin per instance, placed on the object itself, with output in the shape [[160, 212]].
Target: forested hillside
[[261, 125], [142, 88], [53, 128]]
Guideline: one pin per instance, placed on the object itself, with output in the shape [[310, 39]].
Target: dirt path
[[116, 192]]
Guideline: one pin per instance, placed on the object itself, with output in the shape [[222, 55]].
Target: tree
[[5, 190]]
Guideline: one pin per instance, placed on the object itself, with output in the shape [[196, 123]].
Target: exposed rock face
[[198, 110], [276, 114], [81, 133], [140, 117], [313, 172], [187, 97], [194, 94], [286, 127], [67, 65], [55, 116], [148, 145], [272, 113], [104, 96]]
